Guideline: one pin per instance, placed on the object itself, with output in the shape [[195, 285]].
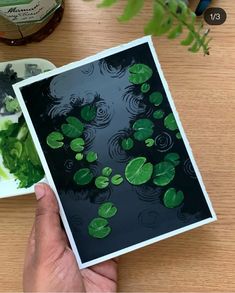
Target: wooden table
[[203, 89]]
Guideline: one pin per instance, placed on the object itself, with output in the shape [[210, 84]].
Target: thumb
[[48, 230]]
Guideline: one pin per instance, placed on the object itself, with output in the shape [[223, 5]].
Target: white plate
[[9, 186]]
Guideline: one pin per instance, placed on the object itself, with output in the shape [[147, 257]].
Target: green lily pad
[[138, 172], [145, 87], [74, 128], [117, 179], [156, 98], [143, 129], [178, 135], [83, 176], [101, 182], [127, 144], [173, 199], [159, 114], [140, 73], [173, 158], [88, 113], [163, 173], [79, 157], [54, 140], [91, 157], [98, 228], [107, 171], [170, 122], [149, 142], [107, 210], [77, 144]]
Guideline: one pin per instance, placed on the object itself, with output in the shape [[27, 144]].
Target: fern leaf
[[188, 40], [132, 8], [154, 24], [107, 3], [165, 26], [175, 32], [195, 47]]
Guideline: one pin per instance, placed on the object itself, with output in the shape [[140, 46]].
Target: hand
[[50, 264]]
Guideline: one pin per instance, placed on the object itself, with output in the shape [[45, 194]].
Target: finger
[[48, 231], [29, 254], [107, 269]]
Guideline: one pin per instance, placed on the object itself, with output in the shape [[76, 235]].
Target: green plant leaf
[[178, 135], [145, 87], [149, 142], [77, 144], [88, 113], [195, 47], [107, 171], [188, 40], [173, 199], [54, 140], [132, 8], [170, 122], [156, 20], [127, 144], [140, 73], [107, 210], [91, 157], [101, 182], [175, 32], [173, 158], [159, 114], [106, 3], [166, 25], [83, 176], [117, 179], [163, 173], [156, 98], [138, 172], [98, 228], [74, 128], [79, 157], [143, 129]]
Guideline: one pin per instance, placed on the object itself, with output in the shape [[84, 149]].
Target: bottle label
[[27, 11]]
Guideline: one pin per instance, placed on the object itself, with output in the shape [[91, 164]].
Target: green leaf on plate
[[54, 140], [163, 173], [74, 128], [117, 179], [170, 122], [173, 199], [156, 98], [88, 113], [140, 73], [127, 144], [107, 210], [173, 158], [77, 144], [83, 176], [138, 172], [98, 228], [101, 182], [143, 129]]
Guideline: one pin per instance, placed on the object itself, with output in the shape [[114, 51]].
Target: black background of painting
[[141, 214]]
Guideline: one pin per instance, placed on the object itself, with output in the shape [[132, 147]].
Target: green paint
[[149, 142], [77, 144], [138, 172], [83, 176], [107, 210], [54, 140], [156, 98], [178, 135], [91, 157], [159, 114], [107, 171], [127, 144], [3, 174], [140, 73], [79, 157], [101, 182], [145, 87], [170, 122], [88, 113], [74, 128], [173, 199], [163, 173], [98, 228], [117, 179], [173, 158], [143, 129]]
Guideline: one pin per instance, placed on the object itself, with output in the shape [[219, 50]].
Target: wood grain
[[203, 88]]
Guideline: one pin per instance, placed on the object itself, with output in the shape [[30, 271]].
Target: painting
[[114, 151]]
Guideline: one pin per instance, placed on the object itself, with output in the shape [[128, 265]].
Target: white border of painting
[[96, 57]]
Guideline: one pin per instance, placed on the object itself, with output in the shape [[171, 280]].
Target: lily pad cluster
[[103, 181], [99, 227]]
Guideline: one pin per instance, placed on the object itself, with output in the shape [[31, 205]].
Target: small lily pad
[[54, 140], [79, 157], [170, 122], [91, 157], [145, 88], [140, 73], [156, 98], [149, 142], [143, 129], [178, 135], [138, 172], [107, 210], [173, 199], [163, 173], [98, 228], [159, 114], [101, 182], [173, 158], [77, 144], [107, 171], [127, 144], [83, 176], [88, 113], [74, 128], [117, 179]]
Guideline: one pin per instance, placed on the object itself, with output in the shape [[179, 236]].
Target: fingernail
[[39, 191]]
